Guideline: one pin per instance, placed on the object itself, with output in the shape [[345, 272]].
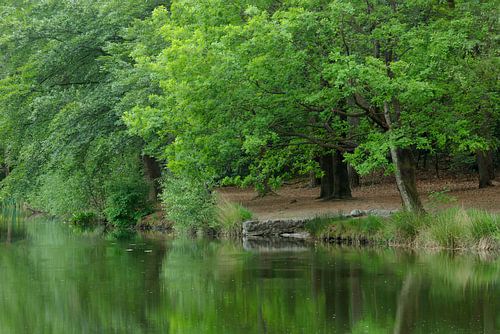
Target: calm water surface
[[54, 280]]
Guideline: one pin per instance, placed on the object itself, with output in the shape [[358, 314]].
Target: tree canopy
[[97, 97]]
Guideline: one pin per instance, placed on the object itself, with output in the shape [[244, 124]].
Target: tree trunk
[[491, 165], [341, 183], [335, 180], [406, 179], [152, 173], [485, 167], [326, 165], [404, 164]]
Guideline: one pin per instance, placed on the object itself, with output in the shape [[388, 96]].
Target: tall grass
[[452, 229], [460, 228], [351, 230], [230, 216]]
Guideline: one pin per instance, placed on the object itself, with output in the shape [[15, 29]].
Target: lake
[[57, 280]]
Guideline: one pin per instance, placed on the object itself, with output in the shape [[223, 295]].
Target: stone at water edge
[[273, 227]]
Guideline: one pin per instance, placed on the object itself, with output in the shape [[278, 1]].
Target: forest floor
[[297, 200]]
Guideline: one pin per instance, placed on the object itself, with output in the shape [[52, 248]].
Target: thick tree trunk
[[335, 180], [152, 172], [406, 180], [485, 169], [341, 183], [326, 165]]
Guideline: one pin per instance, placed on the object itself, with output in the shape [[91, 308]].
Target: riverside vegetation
[[449, 229], [112, 110]]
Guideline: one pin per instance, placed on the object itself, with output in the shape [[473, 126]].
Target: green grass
[[229, 217], [353, 230], [452, 229]]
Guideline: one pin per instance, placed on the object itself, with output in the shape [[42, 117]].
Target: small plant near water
[[229, 217]]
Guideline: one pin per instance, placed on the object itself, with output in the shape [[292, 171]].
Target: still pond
[[59, 281]]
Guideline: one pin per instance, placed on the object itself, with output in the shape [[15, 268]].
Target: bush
[[126, 202], [188, 203], [229, 217], [84, 219]]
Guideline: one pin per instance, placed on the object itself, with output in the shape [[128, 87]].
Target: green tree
[[62, 136]]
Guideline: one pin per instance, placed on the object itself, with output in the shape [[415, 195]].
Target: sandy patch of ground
[[299, 201]]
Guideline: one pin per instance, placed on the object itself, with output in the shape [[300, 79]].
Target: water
[[53, 280]]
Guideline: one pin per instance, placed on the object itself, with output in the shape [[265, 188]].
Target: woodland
[[110, 109]]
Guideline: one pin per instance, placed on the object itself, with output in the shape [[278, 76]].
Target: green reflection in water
[[53, 280]]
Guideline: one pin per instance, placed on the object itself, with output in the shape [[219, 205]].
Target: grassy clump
[[229, 217], [339, 227], [460, 228], [454, 229]]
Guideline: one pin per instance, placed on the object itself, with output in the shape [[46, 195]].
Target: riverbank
[[460, 216], [297, 200], [453, 229]]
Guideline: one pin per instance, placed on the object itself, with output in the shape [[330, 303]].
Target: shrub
[[126, 202], [188, 203]]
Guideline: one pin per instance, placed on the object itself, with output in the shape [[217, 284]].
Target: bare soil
[[297, 200]]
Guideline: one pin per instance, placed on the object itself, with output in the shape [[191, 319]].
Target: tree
[[63, 138]]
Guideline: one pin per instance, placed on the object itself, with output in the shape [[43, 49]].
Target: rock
[[357, 213], [372, 212], [295, 228], [273, 227]]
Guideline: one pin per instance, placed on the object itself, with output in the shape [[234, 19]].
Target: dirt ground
[[297, 200]]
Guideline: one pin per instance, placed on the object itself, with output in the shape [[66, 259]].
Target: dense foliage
[[98, 99]]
